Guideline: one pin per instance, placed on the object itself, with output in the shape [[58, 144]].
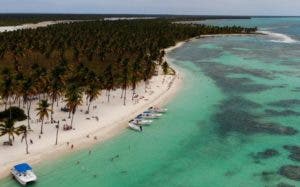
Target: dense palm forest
[[82, 58], [17, 19], [98, 46]]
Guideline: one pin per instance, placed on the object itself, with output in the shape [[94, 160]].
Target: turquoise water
[[233, 87]]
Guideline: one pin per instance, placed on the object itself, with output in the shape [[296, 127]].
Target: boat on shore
[[157, 110], [23, 174], [151, 115], [145, 118], [141, 121], [134, 126]]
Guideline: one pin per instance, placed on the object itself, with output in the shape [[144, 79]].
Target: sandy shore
[[33, 25], [113, 119]]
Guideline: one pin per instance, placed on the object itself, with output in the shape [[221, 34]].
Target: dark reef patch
[[284, 185], [221, 74], [267, 176], [295, 157], [296, 89], [270, 112], [292, 148], [295, 152], [268, 153], [244, 122], [285, 103], [231, 173], [237, 102], [290, 171]]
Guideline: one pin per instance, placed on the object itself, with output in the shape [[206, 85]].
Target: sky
[[189, 7]]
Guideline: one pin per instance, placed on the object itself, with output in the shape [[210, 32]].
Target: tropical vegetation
[[72, 60]]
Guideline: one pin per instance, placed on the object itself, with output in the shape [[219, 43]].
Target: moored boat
[[151, 115], [23, 173], [134, 126], [157, 110], [141, 121]]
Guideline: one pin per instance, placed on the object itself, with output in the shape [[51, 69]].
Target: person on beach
[[31, 142], [72, 146]]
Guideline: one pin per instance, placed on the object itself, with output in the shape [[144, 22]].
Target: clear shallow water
[[203, 140]]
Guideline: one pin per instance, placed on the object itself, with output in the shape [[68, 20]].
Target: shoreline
[[109, 129], [33, 25]]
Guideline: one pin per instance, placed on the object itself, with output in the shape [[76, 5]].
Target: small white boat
[[151, 115], [23, 173], [141, 121], [135, 127], [157, 110]]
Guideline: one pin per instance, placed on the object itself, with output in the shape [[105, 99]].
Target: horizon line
[[150, 14]]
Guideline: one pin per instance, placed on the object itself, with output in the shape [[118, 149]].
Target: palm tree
[[73, 99], [109, 80], [55, 91], [24, 131], [93, 91], [7, 86], [57, 84], [28, 91], [147, 71], [165, 68], [125, 77], [57, 128], [135, 71], [161, 56], [8, 127], [43, 109], [19, 78]]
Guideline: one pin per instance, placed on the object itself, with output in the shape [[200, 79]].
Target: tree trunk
[[42, 126], [108, 95], [133, 93], [88, 109], [5, 104], [57, 101], [125, 96], [9, 108], [25, 136], [51, 115], [28, 114], [19, 102], [57, 128], [72, 119], [9, 139], [122, 93]]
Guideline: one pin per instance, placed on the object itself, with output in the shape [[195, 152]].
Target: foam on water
[[279, 37]]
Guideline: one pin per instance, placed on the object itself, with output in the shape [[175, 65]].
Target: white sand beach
[[113, 119], [33, 25]]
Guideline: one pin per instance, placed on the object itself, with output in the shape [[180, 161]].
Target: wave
[[279, 37]]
